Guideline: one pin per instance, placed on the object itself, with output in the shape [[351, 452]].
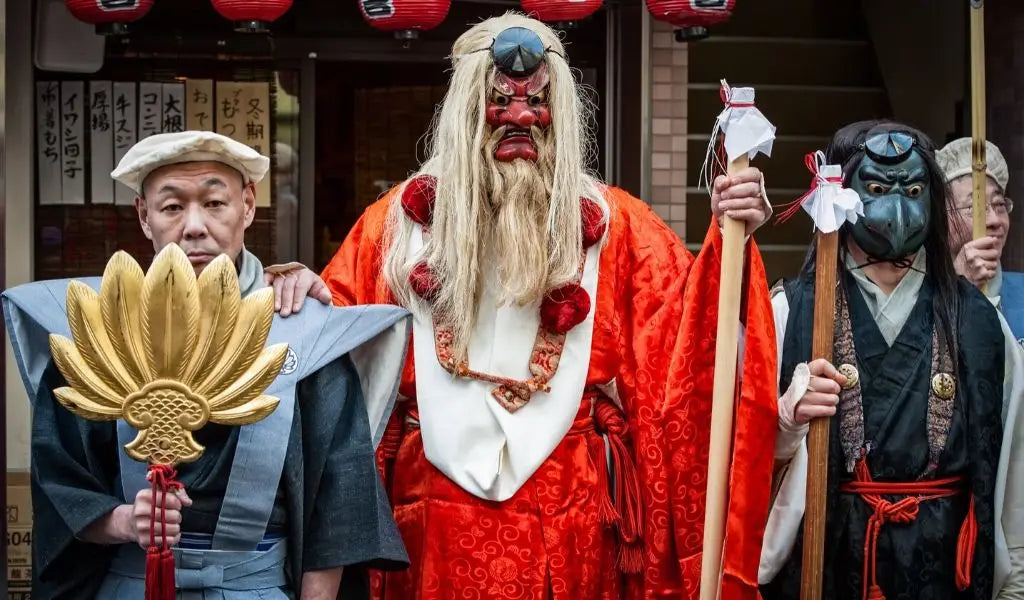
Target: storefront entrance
[[372, 128], [341, 108]]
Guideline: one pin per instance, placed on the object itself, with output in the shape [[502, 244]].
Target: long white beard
[[510, 231], [518, 235]]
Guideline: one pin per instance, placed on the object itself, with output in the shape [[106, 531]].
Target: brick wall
[[668, 127]]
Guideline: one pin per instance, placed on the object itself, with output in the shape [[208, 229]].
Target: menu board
[[101, 142], [243, 114]]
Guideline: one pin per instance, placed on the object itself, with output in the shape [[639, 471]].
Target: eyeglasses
[[1000, 206]]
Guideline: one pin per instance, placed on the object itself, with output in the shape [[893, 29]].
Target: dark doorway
[[371, 124]]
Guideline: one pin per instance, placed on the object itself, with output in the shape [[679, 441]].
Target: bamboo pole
[[978, 166], [723, 399], [822, 339]]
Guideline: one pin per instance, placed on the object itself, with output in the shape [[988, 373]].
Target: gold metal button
[[851, 374], [944, 386]]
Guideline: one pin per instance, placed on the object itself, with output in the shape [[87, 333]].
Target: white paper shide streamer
[[746, 131], [828, 203]]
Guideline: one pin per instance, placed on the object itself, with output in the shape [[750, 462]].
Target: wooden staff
[[822, 339], [978, 166], [723, 398]]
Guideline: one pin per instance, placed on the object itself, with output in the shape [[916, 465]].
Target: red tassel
[[160, 559], [167, 588], [631, 559], [627, 487], [789, 209], [627, 491], [965, 548], [605, 509], [153, 574]]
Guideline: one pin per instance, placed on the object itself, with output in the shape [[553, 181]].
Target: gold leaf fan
[[167, 352]]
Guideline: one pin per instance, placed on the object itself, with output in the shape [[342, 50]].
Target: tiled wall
[[668, 127]]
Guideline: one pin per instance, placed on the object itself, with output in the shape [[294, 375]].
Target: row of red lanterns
[[406, 17], [691, 18], [111, 17]]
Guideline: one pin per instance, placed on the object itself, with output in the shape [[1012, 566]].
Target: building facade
[[342, 109]]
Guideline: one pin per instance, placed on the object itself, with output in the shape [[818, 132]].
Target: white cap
[[955, 161], [165, 149]]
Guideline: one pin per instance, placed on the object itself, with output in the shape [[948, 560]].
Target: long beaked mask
[[519, 98], [894, 185]]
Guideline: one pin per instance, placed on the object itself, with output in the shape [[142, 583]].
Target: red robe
[[654, 335]]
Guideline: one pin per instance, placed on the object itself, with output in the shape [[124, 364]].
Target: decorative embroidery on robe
[[851, 408]]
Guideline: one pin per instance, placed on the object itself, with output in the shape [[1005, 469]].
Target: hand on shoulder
[[293, 283]]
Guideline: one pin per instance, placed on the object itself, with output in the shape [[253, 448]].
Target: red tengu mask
[[517, 105]]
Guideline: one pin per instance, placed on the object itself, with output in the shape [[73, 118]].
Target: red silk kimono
[[654, 335]]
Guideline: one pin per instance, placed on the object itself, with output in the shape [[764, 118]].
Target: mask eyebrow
[[529, 85], [872, 172], [892, 175], [917, 174]]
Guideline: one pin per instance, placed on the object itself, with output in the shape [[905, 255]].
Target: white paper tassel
[[746, 130], [828, 203]]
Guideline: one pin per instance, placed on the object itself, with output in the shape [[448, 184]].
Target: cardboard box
[[19, 536]]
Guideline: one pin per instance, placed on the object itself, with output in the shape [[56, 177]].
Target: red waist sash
[[620, 504], [905, 511]]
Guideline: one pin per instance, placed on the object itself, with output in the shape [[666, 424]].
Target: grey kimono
[[296, 492]]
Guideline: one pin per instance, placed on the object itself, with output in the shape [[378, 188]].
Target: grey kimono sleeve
[[74, 470], [351, 522], [74, 462]]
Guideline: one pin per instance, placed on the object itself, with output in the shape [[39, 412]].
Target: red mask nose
[[519, 114]]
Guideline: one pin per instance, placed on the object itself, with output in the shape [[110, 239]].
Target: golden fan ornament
[[168, 352]]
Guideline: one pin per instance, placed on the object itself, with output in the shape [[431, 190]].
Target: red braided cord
[[791, 208], [627, 493], [163, 479], [905, 511]]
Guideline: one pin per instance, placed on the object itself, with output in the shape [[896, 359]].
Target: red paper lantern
[[252, 16], [562, 12], [111, 17], [406, 18], [691, 18]]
